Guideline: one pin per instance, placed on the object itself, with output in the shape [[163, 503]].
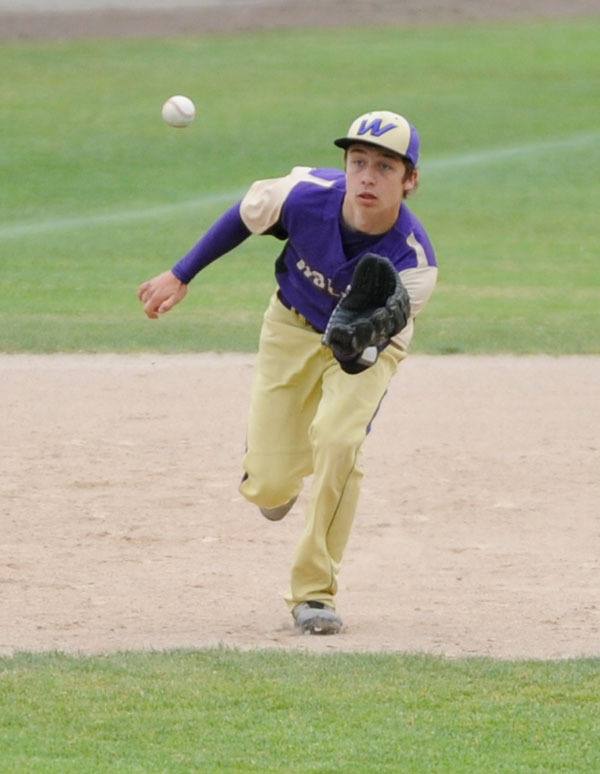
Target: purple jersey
[[320, 254], [314, 269]]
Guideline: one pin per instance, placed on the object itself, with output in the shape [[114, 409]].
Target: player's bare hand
[[161, 293]]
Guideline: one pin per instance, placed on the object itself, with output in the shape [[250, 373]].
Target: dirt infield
[[120, 522], [122, 527]]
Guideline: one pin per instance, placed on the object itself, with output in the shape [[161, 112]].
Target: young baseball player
[[332, 337]]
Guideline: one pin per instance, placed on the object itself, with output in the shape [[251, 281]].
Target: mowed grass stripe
[[121, 216], [222, 710]]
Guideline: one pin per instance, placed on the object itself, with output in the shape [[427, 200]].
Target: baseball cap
[[384, 130]]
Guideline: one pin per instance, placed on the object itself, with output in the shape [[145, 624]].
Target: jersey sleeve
[[419, 283], [419, 278], [420, 275], [226, 233], [261, 208]]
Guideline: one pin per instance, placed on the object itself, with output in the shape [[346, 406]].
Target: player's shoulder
[[316, 189], [318, 178], [328, 175], [415, 236], [302, 189]]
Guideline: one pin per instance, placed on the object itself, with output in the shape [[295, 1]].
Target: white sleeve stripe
[[412, 241]]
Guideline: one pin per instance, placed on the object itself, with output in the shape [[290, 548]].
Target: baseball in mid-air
[[179, 111]]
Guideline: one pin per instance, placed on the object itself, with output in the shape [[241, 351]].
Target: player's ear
[[411, 181]]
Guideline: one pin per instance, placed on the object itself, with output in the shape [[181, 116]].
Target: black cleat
[[316, 618]]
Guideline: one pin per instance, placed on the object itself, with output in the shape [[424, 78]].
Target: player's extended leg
[[285, 396], [337, 432]]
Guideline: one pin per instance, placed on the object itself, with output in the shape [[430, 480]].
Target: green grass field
[[98, 194], [268, 711]]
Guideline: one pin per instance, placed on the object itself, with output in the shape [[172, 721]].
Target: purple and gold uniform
[[321, 253], [308, 417]]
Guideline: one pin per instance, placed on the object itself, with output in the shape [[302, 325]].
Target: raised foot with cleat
[[277, 513], [316, 618]]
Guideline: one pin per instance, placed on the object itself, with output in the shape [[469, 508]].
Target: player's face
[[376, 181]]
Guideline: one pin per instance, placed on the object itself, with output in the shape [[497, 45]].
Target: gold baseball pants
[[308, 417]]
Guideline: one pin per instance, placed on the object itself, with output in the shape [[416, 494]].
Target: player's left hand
[[376, 308], [161, 293]]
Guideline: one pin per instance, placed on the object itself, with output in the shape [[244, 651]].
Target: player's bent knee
[[268, 491]]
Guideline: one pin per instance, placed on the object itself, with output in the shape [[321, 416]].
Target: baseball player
[[355, 269]]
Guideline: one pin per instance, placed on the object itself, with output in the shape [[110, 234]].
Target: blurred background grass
[[98, 194]]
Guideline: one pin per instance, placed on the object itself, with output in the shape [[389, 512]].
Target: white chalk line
[[120, 216], [489, 156], [494, 155]]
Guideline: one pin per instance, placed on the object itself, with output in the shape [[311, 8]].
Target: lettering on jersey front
[[374, 127], [318, 279]]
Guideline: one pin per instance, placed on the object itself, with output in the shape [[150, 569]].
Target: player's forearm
[[225, 234]]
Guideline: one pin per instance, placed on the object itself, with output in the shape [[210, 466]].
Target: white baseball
[[179, 111]]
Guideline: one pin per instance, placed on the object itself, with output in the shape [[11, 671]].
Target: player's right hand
[[161, 293]]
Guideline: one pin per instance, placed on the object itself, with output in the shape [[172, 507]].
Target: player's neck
[[366, 221]]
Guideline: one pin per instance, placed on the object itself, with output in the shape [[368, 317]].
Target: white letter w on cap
[[374, 127]]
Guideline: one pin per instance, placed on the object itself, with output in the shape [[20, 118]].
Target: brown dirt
[[121, 525], [120, 522], [123, 22]]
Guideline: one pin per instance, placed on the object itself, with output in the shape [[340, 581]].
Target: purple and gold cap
[[384, 130]]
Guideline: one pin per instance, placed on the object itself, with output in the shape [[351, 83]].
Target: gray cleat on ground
[[277, 513], [316, 618]]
